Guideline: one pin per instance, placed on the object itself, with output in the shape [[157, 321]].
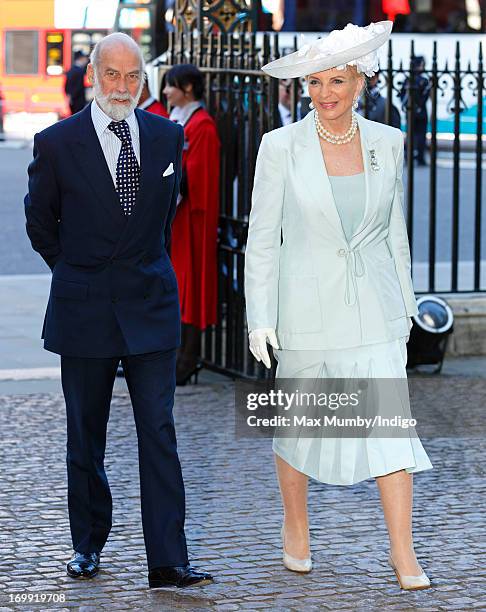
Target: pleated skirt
[[345, 461]]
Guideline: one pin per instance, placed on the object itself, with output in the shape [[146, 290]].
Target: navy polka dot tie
[[127, 168]]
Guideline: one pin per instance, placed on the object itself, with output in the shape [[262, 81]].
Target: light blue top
[[349, 194]]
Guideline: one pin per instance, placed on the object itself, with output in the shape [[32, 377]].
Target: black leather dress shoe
[[83, 565], [180, 576]]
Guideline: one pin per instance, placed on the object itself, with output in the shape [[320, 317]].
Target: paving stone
[[233, 518]]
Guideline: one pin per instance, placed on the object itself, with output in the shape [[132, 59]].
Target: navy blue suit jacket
[[114, 290]]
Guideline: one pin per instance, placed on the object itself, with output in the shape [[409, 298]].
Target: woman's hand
[[258, 344]]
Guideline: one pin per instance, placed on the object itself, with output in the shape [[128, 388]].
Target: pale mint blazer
[[302, 276]]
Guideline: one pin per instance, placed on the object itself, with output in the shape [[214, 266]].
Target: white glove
[[258, 344]]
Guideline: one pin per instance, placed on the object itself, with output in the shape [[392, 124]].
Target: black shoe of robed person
[[83, 565], [184, 375], [180, 576]]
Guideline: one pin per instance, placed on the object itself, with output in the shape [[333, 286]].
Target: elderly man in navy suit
[[103, 188]]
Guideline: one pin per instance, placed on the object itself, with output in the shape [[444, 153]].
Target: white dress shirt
[[150, 100], [286, 114], [182, 114], [110, 143]]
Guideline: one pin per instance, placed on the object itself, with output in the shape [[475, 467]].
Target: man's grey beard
[[117, 112]]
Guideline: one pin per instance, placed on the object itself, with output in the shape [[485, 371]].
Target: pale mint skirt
[[345, 461]]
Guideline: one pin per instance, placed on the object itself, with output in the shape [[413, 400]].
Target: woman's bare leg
[[293, 488], [396, 491]]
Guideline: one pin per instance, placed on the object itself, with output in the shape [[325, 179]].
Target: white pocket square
[[169, 170]]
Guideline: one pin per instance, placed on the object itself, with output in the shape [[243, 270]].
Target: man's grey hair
[[115, 38]]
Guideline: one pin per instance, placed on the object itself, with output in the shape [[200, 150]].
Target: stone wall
[[469, 336]]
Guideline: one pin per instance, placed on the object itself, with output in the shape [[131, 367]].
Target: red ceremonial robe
[[195, 226], [158, 109]]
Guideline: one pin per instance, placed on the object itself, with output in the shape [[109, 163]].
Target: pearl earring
[[355, 103], [311, 105]]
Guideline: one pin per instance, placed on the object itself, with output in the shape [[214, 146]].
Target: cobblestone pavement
[[234, 517]]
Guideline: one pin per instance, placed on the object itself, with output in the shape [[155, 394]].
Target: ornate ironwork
[[213, 16]]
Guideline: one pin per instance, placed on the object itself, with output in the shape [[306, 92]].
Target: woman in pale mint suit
[[328, 283]]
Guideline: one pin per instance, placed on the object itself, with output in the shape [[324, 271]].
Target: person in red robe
[[149, 103], [392, 8], [195, 226]]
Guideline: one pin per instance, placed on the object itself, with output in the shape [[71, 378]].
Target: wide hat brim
[[296, 65]]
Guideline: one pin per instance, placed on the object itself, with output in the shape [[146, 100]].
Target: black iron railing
[[443, 209]]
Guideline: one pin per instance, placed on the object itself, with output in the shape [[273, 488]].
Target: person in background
[[149, 103], [195, 227], [393, 8], [422, 89], [285, 102], [284, 16], [373, 105], [2, 136], [74, 83]]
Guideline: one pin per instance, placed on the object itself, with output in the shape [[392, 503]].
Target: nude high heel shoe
[[303, 566], [410, 583]]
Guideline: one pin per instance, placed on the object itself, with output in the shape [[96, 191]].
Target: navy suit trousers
[[88, 385]]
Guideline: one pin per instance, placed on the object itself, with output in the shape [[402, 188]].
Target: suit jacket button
[[114, 300], [341, 252]]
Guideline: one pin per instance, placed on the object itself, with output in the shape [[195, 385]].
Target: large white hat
[[353, 45]]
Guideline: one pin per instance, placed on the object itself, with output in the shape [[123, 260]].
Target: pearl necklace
[[336, 138]]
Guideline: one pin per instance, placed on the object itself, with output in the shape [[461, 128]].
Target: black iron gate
[[244, 103]]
